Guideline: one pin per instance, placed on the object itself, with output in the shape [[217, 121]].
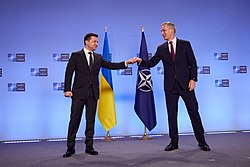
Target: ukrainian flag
[[106, 108]]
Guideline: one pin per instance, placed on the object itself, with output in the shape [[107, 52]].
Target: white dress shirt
[[86, 51], [174, 45]]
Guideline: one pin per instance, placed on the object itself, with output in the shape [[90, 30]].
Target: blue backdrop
[[34, 35]]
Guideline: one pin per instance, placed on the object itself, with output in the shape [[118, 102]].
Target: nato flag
[[144, 98]]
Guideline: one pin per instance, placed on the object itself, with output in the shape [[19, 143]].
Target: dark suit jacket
[[184, 68], [84, 77]]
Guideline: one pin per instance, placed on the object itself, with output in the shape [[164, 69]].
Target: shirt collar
[[86, 51], [173, 40]]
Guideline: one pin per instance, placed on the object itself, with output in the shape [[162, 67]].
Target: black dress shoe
[[171, 147], [204, 147], [69, 152], [91, 151]]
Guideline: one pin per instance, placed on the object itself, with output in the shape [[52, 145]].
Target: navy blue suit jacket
[[183, 69], [84, 77]]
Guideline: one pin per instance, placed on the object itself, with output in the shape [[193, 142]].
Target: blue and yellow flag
[[106, 108], [144, 98]]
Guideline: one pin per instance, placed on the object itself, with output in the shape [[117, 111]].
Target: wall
[[40, 29]]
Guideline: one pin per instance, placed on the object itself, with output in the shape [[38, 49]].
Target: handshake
[[134, 60]]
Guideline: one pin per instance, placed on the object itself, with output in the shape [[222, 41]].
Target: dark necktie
[[90, 60], [172, 51]]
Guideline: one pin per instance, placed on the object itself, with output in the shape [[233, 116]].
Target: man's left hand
[[191, 85]]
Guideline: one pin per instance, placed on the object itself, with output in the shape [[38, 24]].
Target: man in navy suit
[[180, 76], [85, 65]]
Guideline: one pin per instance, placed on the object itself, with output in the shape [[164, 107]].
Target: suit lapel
[[95, 61], [177, 48], [168, 52], [84, 59]]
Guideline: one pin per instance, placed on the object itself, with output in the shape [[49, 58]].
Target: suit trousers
[[75, 118], [191, 104]]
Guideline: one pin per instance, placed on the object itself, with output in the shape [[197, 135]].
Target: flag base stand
[[107, 137], [145, 136]]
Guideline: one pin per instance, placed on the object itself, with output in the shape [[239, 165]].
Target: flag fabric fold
[[106, 108], [144, 99]]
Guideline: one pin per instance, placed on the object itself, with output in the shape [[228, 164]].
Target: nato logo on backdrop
[[1, 73], [127, 71], [220, 56], [63, 57], [160, 70], [16, 87], [39, 71], [19, 57], [204, 70], [58, 86], [222, 83], [240, 69]]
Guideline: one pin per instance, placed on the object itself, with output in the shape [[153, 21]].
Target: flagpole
[[106, 29], [145, 136], [107, 137]]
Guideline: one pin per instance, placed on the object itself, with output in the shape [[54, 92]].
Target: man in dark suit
[[85, 65], [180, 76]]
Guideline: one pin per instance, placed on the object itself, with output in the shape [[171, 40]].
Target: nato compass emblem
[[144, 81]]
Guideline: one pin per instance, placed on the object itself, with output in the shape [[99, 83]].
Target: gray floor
[[228, 150]]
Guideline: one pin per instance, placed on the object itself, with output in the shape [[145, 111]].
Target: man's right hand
[[68, 94], [138, 60]]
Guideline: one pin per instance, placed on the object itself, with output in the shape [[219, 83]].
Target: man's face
[[167, 33], [92, 43]]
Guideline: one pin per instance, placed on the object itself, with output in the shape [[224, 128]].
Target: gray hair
[[170, 25]]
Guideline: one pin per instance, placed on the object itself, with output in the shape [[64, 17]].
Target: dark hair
[[88, 36]]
